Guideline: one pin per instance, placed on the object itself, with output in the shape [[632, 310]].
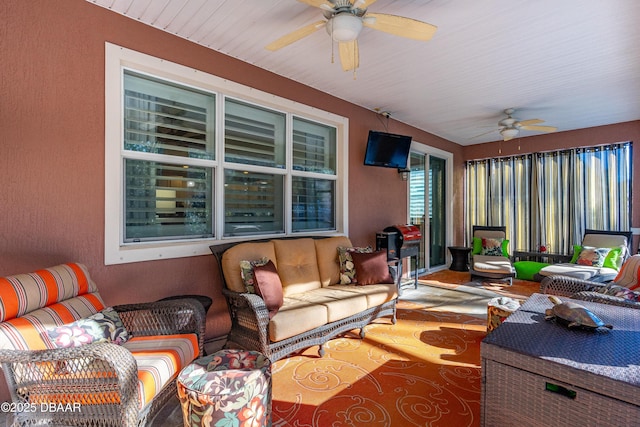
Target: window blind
[[314, 147], [167, 200], [254, 135]]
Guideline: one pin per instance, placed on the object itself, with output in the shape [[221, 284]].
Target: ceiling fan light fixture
[[509, 133], [344, 27]]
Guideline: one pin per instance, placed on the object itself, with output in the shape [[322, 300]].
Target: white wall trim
[[116, 59]]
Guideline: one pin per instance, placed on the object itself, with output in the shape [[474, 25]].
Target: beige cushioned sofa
[[315, 306]]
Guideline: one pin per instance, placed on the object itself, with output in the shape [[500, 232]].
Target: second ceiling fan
[[510, 127], [344, 20]]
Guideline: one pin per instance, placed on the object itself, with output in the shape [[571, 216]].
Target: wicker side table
[[539, 373], [459, 258]]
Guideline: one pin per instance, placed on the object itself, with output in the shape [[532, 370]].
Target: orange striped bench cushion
[[23, 293], [160, 359], [23, 333]]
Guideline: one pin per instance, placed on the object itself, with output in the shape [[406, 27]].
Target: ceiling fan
[[344, 20], [509, 127]]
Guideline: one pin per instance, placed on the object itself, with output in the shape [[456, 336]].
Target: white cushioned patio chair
[[490, 257], [597, 259]]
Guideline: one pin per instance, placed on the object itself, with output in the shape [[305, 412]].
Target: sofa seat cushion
[[160, 359], [297, 265], [492, 264], [376, 294], [339, 303], [296, 317], [24, 333], [584, 272]]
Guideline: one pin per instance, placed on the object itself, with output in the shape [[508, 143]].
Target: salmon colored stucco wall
[[52, 152]]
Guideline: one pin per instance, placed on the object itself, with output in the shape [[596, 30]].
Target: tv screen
[[387, 150]]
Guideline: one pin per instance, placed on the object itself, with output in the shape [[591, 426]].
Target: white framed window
[[192, 159]]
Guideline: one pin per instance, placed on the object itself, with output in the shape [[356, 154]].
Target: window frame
[[117, 59]]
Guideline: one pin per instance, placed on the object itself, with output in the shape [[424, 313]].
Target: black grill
[[400, 241]]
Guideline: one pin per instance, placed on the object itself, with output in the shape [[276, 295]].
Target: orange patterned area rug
[[422, 371]]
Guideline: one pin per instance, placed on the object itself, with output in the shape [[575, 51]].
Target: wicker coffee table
[[539, 373]]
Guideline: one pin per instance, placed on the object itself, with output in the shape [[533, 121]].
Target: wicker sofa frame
[[583, 290], [31, 374], [250, 320]]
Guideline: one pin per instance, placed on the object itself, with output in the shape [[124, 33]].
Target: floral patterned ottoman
[[227, 388]]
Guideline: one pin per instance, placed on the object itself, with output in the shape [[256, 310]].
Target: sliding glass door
[[429, 206]]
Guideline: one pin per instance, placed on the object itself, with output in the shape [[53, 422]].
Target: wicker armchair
[[97, 384], [628, 277]]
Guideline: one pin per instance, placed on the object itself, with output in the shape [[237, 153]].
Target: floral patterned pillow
[[593, 257], [347, 267], [246, 271], [104, 326], [491, 247]]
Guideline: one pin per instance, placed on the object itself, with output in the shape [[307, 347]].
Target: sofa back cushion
[[297, 265], [23, 293], [249, 251], [328, 263]]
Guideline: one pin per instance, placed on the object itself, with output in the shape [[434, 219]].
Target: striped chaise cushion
[[29, 303], [629, 275], [160, 359]]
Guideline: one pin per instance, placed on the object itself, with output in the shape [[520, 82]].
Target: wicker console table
[[539, 373]]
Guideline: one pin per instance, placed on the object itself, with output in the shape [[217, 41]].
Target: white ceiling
[[572, 63]]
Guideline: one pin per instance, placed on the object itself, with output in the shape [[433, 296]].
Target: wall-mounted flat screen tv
[[387, 150]]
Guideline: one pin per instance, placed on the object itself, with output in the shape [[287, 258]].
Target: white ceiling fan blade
[[530, 122], [349, 56], [295, 36], [400, 26], [322, 4], [540, 128]]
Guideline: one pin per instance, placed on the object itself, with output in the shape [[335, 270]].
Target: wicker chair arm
[[179, 316], [605, 299], [251, 311], [567, 286], [35, 376]]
